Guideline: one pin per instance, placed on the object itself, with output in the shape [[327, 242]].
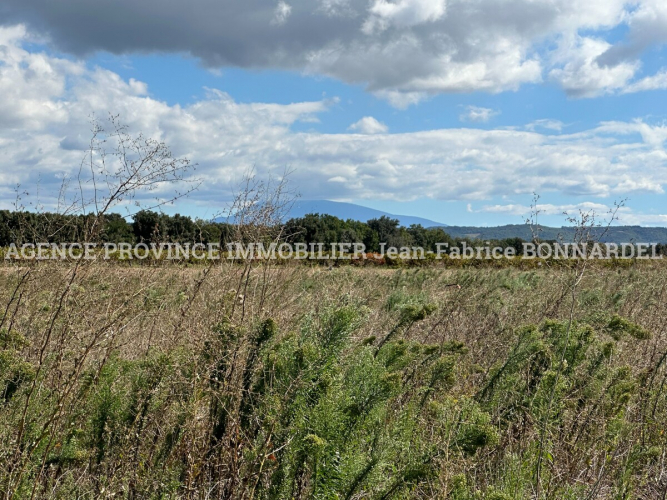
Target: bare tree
[[118, 168], [588, 229], [256, 214]]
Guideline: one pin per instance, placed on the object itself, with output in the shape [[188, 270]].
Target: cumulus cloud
[[404, 50], [653, 82], [369, 125], [282, 12], [401, 100], [647, 26], [335, 8], [402, 14], [46, 100], [546, 209], [547, 124], [582, 75], [637, 219], [477, 114], [604, 212], [653, 135]]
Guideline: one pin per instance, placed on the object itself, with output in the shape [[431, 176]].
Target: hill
[[615, 234], [355, 212]]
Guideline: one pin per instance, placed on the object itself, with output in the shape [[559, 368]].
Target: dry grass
[[64, 324]]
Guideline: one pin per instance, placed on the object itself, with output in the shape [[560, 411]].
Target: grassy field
[[237, 381]]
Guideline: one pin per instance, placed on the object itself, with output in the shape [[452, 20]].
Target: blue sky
[[182, 80], [417, 107]]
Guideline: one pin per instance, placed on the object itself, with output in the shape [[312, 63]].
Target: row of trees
[[152, 227], [147, 226], [327, 229]]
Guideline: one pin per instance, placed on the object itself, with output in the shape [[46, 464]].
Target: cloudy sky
[[455, 110]]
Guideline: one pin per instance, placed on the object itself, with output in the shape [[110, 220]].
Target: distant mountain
[[351, 211], [615, 234]]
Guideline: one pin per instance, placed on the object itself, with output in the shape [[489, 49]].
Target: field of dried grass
[[259, 381]]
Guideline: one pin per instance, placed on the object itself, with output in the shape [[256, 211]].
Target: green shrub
[[619, 327]]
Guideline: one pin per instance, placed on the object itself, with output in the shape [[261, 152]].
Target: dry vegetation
[[236, 381], [256, 380]]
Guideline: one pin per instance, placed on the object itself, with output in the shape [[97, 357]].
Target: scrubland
[[291, 381]]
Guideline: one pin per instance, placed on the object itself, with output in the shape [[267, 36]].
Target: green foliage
[[147, 227], [329, 403], [359, 397], [152, 227], [559, 375], [476, 431], [619, 327]]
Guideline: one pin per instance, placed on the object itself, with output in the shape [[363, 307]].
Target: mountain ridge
[[353, 211], [613, 234]]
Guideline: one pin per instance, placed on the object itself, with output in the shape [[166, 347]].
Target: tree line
[[148, 226], [152, 227]]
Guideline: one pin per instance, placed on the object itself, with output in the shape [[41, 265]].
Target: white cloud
[[546, 209], [653, 135], [337, 178], [653, 82], [647, 23], [45, 102], [637, 219], [282, 12], [369, 125], [604, 213], [547, 124], [582, 75], [401, 100], [402, 13], [402, 50], [335, 8], [477, 114]]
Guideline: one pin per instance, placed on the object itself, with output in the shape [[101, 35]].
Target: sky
[[460, 111]]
